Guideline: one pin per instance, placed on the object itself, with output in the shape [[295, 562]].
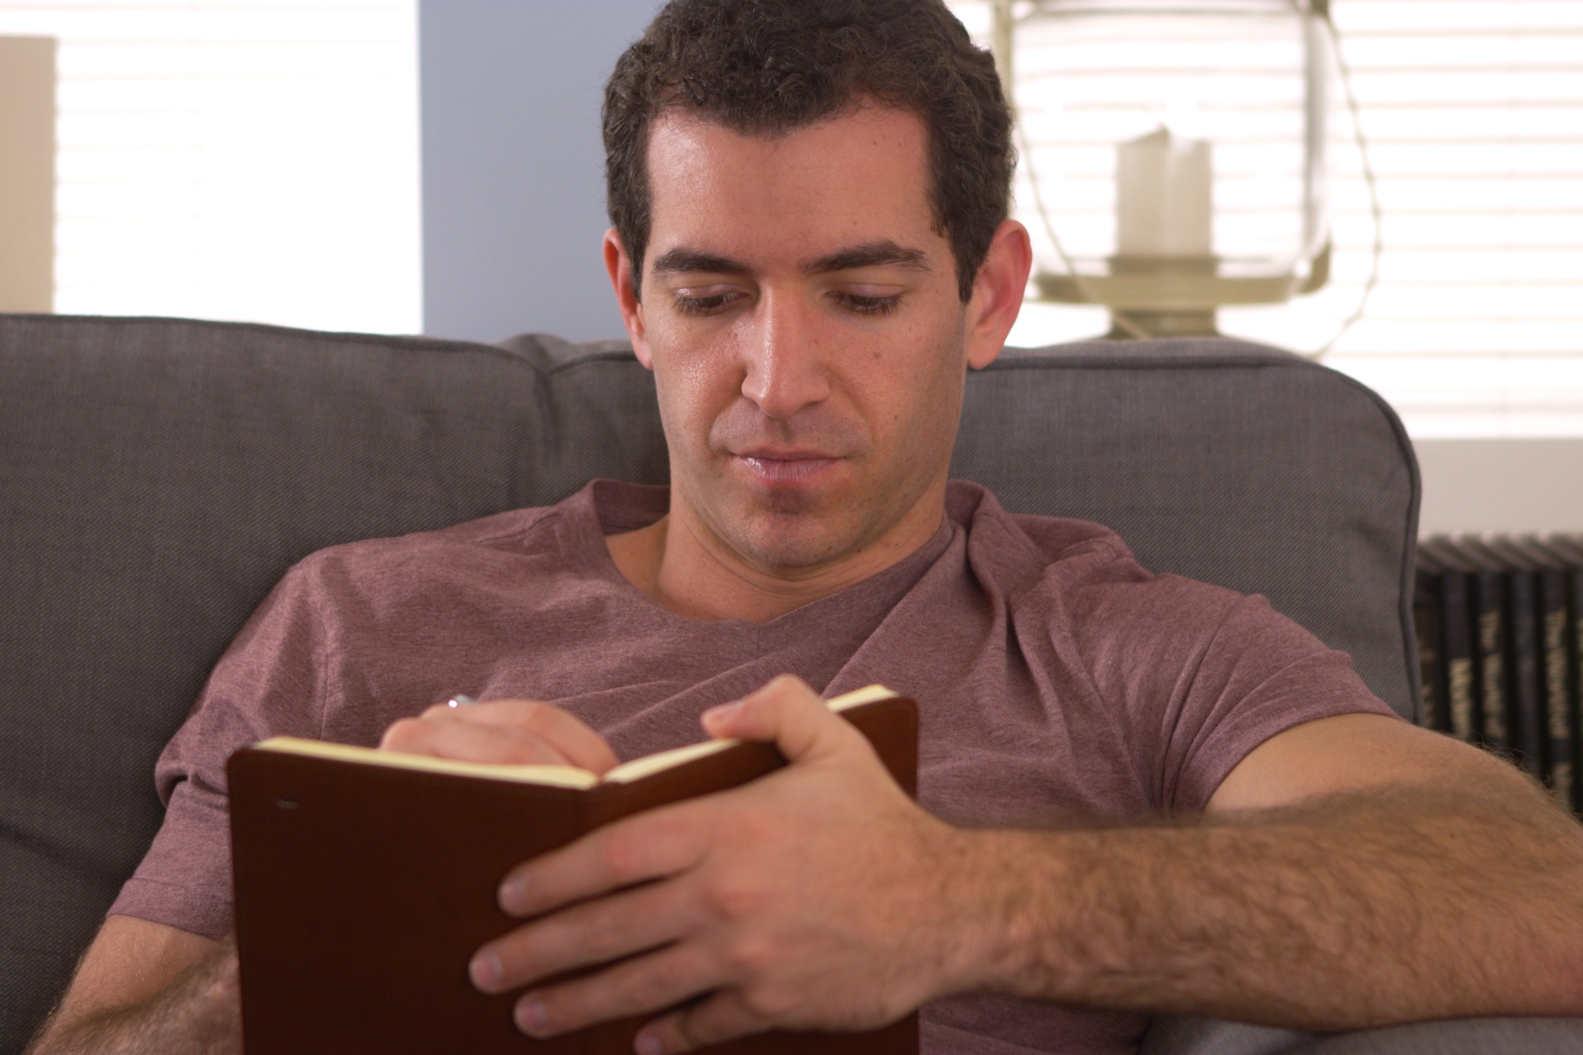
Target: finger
[[789, 713], [470, 742], [653, 844], [592, 933], [567, 733], [510, 732], [722, 1017], [633, 987]]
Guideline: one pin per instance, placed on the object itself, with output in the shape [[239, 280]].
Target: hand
[[813, 898], [514, 732]]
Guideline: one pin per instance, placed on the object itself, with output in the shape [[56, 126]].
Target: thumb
[[787, 712]]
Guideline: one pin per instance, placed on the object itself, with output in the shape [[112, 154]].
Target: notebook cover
[[363, 891]]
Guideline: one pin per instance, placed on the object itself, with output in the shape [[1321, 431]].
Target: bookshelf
[[1499, 621]]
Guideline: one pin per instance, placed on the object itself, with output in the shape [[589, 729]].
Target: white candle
[[1164, 203]]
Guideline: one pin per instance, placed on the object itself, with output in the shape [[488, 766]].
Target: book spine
[[1528, 728], [1427, 621], [1457, 624], [1555, 678], [1575, 702], [1490, 654]]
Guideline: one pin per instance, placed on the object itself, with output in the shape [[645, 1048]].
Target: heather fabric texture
[[1054, 677], [158, 476]]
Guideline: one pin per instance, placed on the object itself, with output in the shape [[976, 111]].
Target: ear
[[997, 293], [619, 265]]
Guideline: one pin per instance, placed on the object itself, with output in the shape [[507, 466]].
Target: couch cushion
[[1223, 461]]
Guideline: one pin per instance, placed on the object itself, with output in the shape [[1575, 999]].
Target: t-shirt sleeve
[[1256, 674], [269, 682]]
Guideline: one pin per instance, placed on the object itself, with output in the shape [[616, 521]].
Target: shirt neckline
[[616, 506]]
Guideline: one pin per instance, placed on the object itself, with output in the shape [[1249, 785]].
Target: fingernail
[[513, 898], [531, 1016], [716, 715], [486, 971], [648, 1044]]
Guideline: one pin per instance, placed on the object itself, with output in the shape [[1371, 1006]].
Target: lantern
[[1173, 152]]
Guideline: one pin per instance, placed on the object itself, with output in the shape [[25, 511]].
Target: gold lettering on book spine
[[1561, 775], [1493, 682], [1459, 691]]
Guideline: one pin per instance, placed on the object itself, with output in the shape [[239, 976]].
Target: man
[[810, 249]]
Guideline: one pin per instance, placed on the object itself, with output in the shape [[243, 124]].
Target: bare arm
[[1353, 871], [147, 989], [1340, 902]]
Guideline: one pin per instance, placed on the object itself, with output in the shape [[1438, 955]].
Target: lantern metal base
[[1176, 297], [1164, 324], [1169, 291]]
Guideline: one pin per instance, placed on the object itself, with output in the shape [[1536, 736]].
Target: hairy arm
[[1457, 889], [144, 988], [1352, 871]]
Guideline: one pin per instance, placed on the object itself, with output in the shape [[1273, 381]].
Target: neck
[[684, 567]]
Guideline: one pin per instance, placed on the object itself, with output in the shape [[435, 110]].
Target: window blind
[[225, 159], [1473, 115]]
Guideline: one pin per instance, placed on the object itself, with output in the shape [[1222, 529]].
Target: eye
[[710, 304], [863, 304]]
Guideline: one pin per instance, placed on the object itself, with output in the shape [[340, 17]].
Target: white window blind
[[226, 159], [1473, 112]]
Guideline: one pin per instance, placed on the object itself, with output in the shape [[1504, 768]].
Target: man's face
[[801, 316]]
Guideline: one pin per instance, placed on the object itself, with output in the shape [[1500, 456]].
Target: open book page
[[554, 776], [648, 765]]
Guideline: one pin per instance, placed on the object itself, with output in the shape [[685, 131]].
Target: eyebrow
[[883, 253], [683, 260]]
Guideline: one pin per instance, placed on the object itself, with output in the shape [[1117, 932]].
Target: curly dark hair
[[766, 67]]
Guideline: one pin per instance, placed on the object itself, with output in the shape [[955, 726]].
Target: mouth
[[786, 468]]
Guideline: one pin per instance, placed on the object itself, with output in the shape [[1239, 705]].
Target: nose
[[784, 358]]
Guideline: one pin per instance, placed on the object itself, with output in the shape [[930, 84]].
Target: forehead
[[861, 177]]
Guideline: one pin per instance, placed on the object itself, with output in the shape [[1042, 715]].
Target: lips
[[786, 468]]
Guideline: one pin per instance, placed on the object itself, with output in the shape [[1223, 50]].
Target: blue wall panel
[[513, 182]]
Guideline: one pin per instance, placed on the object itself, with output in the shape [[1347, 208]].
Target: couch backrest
[[157, 477]]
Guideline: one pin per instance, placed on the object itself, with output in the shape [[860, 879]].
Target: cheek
[[918, 373], [695, 381]]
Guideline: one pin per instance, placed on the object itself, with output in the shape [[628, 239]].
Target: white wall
[[1501, 485]]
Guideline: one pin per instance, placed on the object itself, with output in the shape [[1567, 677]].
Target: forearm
[[1349, 912], [199, 1012]]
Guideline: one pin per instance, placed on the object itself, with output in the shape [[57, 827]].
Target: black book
[[1428, 623], [1487, 590], [1456, 638], [1527, 728], [1555, 668], [1568, 550]]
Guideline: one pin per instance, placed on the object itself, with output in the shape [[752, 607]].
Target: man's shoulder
[[504, 545], [507, 532], [1072, 564]]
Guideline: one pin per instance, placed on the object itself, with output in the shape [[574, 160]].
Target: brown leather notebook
[[366, 880]]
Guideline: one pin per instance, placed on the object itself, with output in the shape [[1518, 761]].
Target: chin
[[789, 540]]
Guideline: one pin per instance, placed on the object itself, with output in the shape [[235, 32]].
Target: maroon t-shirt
[[1053, 675]]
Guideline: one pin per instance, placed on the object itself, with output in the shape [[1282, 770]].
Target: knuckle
[[622, 855], [732, 901], [404, 733], [749, 958], [768, 1003], [650, 990], [602, 934]]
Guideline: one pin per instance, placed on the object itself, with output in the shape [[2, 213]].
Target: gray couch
[[157, 477]]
